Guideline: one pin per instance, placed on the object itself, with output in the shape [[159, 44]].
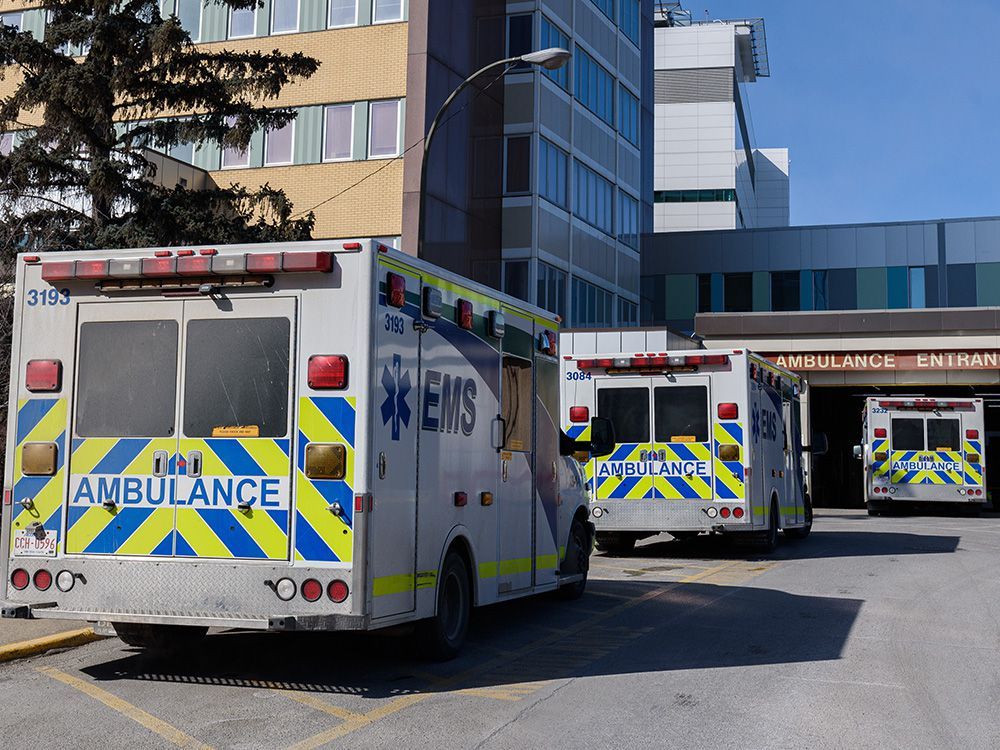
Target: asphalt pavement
[[874, 632]]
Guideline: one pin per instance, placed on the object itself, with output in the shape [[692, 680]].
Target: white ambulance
[[923, 450], [707, 441], [304, 436]]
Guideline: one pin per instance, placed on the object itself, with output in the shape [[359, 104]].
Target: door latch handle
[[160, 461], [194, 464], [503, 470], [381, 465], [643, 455]]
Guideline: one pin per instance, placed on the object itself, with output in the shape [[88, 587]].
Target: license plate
[[28, 544]]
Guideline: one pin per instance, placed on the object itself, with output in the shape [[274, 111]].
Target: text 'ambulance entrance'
[[181, 443]]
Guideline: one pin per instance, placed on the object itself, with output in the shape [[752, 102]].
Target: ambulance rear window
[[628, 410], [127, 382], [681, 414], [943, 435], [236, 377], [907, 434]]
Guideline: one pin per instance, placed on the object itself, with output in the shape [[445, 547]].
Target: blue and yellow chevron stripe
[[320, 536], [40, 420], [881, 468], [974, 474], [730, 476], [907, 475]]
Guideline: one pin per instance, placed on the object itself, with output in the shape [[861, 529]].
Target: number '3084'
[[48, 297]]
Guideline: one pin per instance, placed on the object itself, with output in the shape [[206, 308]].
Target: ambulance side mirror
[[859, 452], [820, 444], [602, 437]]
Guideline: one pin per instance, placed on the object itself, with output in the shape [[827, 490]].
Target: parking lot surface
[[874, 632]]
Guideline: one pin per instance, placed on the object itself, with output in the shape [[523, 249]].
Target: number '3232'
[[48, 297]]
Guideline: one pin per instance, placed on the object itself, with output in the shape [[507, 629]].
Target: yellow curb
[[37, 646]]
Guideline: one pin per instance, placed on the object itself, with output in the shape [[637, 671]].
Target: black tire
[[616, 543], [577, 561], [161, 638], [768, 541], [442, 636], [803, 532]]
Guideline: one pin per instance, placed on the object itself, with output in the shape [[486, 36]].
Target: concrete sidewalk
[[23, 638]]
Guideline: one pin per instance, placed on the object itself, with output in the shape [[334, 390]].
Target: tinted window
[[628, 410], [127, 384], [908, 434], [739, 292], [681, 414], [943, 435], [516, 409], [236, 375]]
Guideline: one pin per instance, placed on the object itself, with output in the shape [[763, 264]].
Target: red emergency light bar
[[925, 404], [661, 361], [207, 263]]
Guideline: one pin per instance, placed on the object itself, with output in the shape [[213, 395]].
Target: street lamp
[[552, 58]]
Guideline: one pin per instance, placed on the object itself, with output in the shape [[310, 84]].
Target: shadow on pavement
[[820, 544], [618, 627]]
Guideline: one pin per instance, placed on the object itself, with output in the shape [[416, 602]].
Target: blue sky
[[891, 108]]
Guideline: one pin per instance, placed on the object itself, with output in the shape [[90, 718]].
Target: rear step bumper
[[261, 622]]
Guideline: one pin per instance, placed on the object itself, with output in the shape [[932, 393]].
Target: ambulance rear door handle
[[381, 465], [160, 460], [194, 464], [503, 470]]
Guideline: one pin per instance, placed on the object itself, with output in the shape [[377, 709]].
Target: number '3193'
[[48, 297]]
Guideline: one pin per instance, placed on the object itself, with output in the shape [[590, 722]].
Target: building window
[[343, 13], [284, 16], [785, 295], [591, 306], [704, 292], [918, 287], [553, 165], [12, 19], [628, 115], [338, 132], [387, 11], [519, 36], [607, 7], [962, 285], [188, 13], [518, 171], [551, 289], [628, 313], [6, 144], [515, 279], [842, 288], [725, 195], [551, 36], [182, 152], [595, 87], [279, 145], [898, 283], [628, 220], [739, 292], [383, 136], [593, 198], [242, 22], [628, 19], [232, 157]]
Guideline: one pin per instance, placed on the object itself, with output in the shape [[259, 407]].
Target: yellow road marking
[[40, 645], [168, 732], [308, 699]]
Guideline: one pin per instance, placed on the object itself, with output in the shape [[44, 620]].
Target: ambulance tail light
[[43, 376], [579, 414], [316, 262], [264, 263], [19, 579], [729, 452], [42, 579], [159, 267], [312, 590], [328, 372], [91, 269], [463, 314], [973, 458], [194, 265], [972, 434], [724, 512], [60, 270], [337, 591], [586, 364], [737, 512], [881, 432], [729, 411], [881, 456], [395, 289]]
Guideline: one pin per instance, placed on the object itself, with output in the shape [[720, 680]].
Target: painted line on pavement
[[167, 731], [36, 646]]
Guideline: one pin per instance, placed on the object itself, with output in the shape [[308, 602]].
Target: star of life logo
[[755, 423], [396, 383]]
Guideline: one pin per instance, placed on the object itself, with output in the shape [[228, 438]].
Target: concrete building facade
[[536, 184], [709, 172]]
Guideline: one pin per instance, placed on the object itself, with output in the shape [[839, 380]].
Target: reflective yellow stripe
[[51, 425], [199, 535], [86, 529], [264, 531], [513, 567], [211, 465], [89, 454], [546, 562], [330, 528], [152, 531], [268, 456], [388, 585]]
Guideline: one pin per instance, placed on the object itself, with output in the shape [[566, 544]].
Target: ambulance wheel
[[803, 531], [162, 638], [577, 561], [443, 634], [615, 543], [769, 539]]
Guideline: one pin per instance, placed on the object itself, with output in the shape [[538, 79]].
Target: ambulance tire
[[617, 544], [442, 636], [159, 638], [577, 561], [768, 540]]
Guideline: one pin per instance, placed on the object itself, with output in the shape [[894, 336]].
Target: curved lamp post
[[552, 58]]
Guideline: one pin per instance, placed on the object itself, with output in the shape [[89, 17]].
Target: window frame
[[543, 146], [224, 149], [507, 190], [20, 19], [329, 13], [923, 433], [291, 150], [298, 19], [371, 127], [624, 391], [673, 394], [376, 22], [326, 125], [229, 27]]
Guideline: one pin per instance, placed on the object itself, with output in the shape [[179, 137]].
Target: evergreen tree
[[77, 175]]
